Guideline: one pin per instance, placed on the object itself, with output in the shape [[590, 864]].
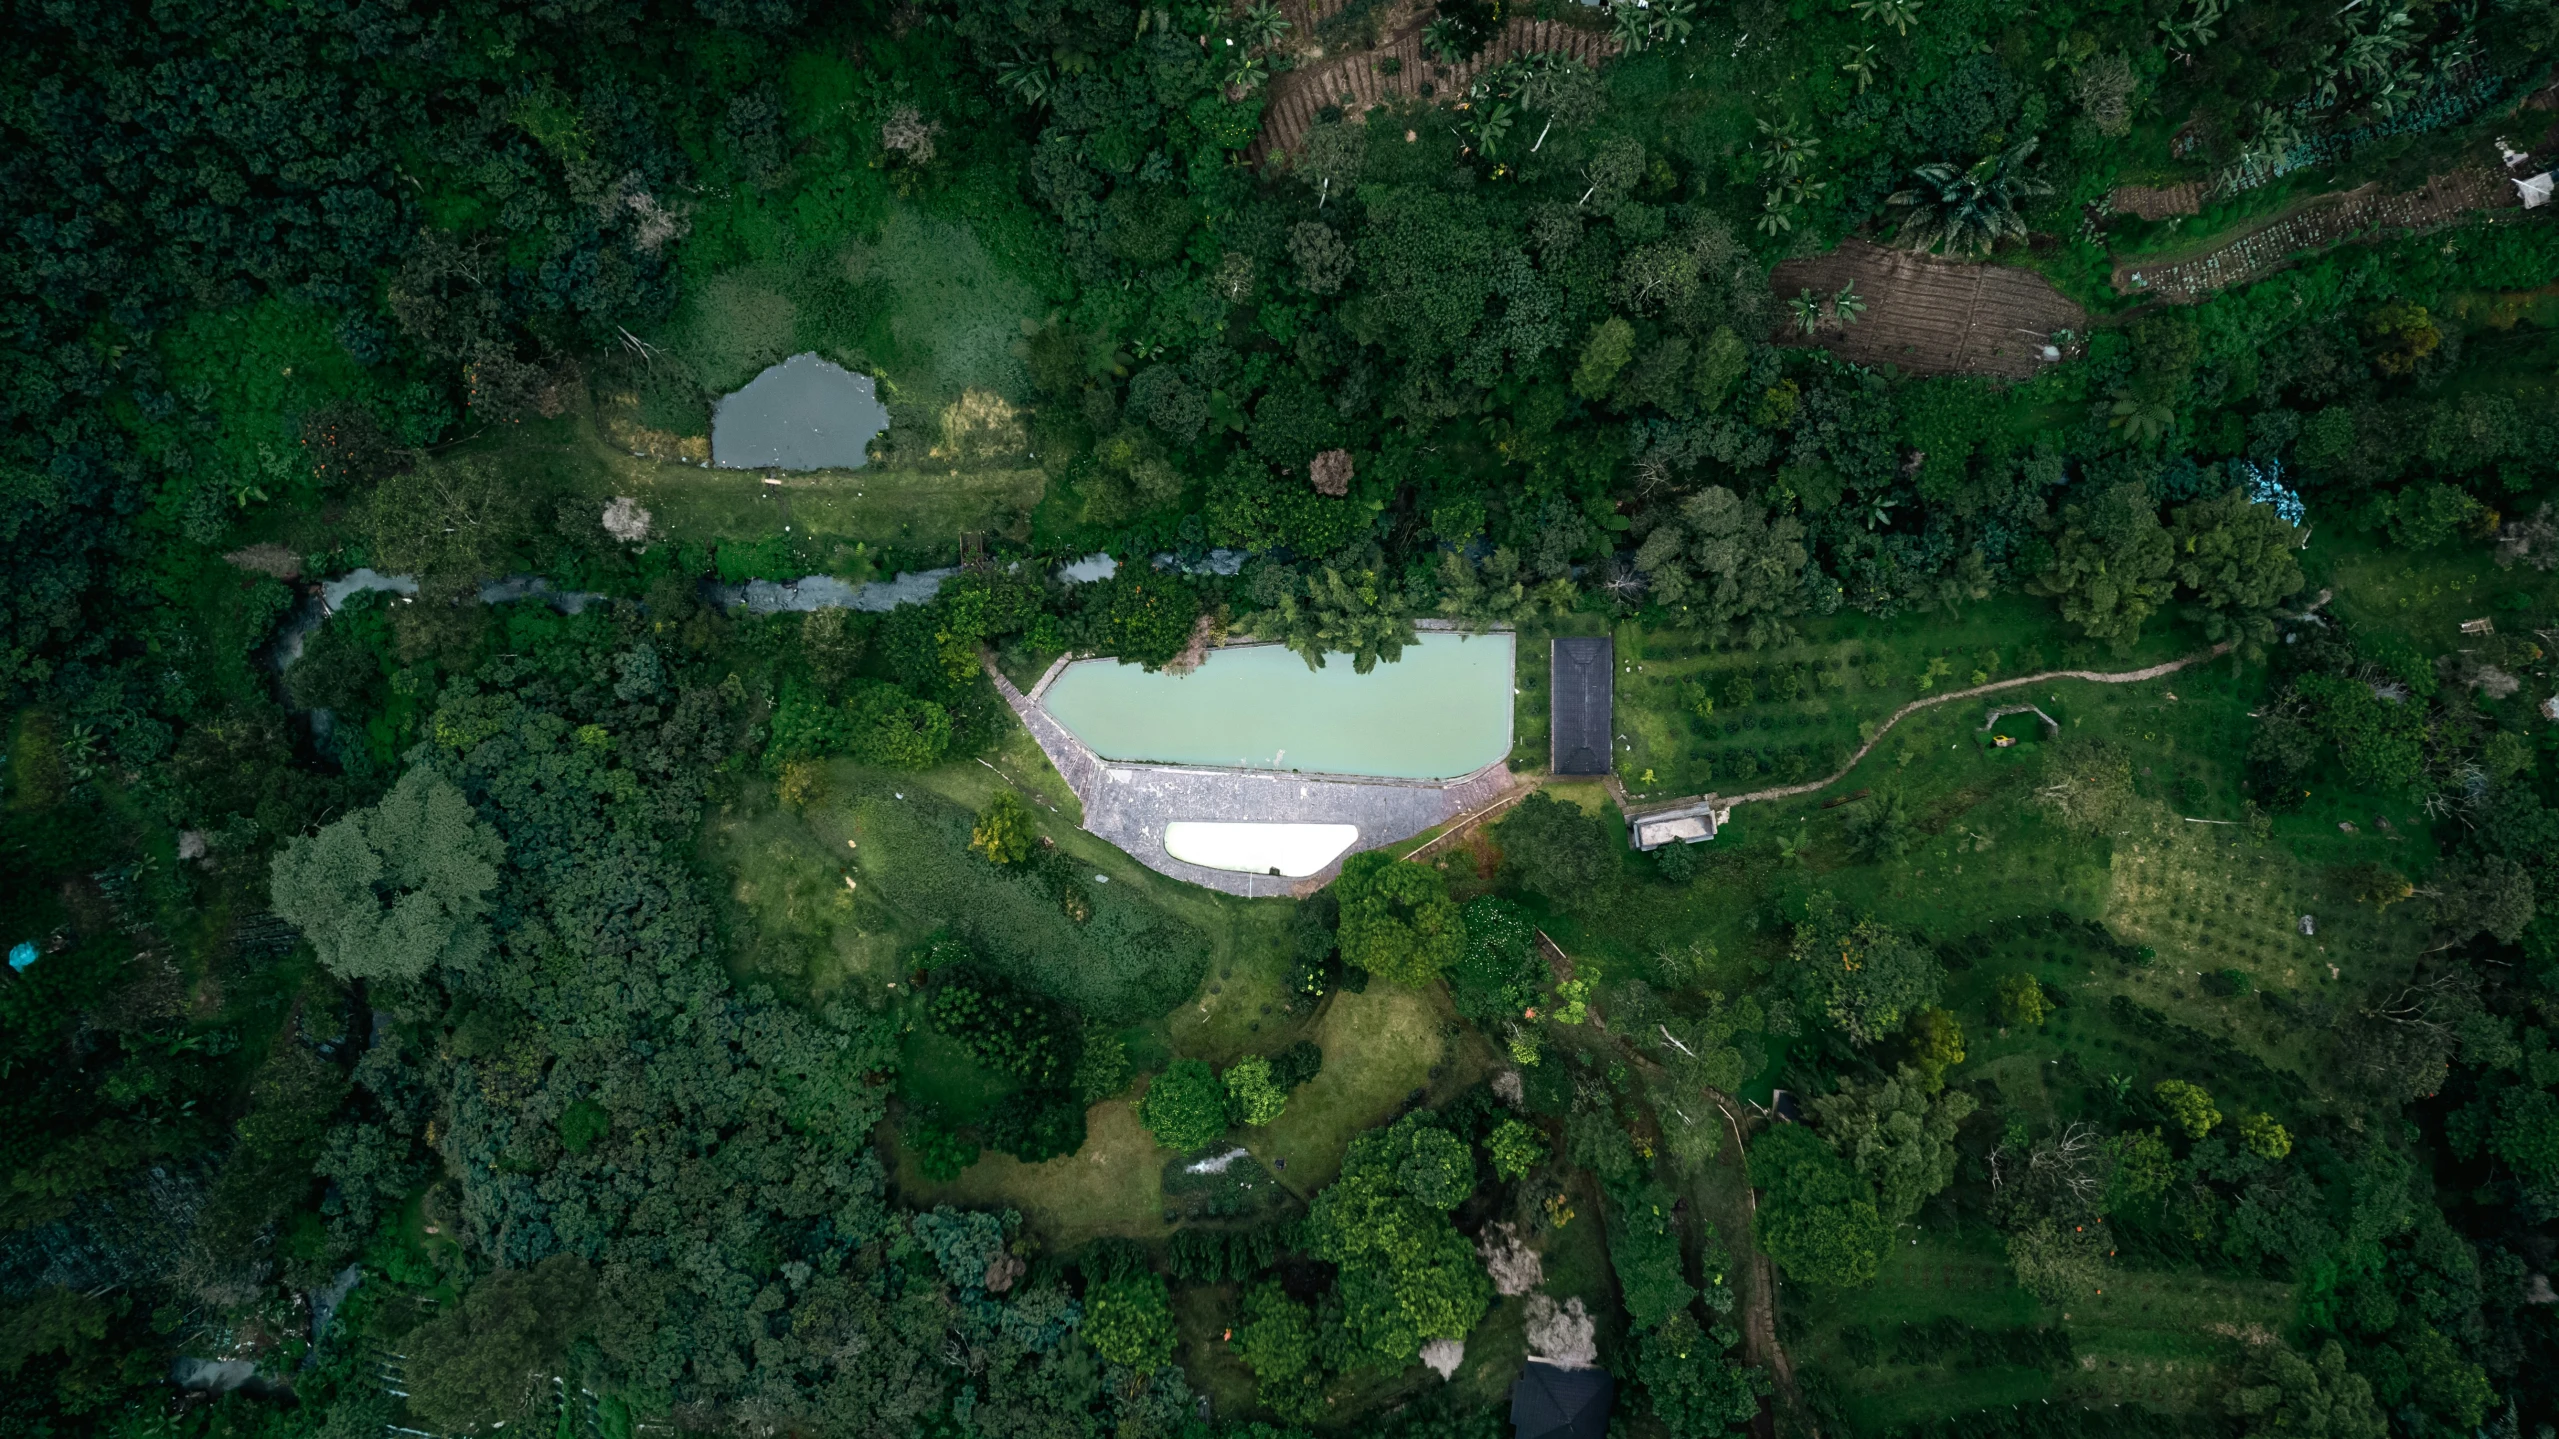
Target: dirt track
[[1933, 317]]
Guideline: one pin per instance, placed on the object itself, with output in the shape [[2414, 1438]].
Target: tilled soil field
[[1929, 316], [1357, 80]]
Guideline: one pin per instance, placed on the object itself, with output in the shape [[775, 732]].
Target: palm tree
[[1967, 211]]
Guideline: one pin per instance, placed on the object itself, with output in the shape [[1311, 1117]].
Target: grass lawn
[[2158, 1338], [1380, 1048], [915, 502], [1113, 1185], [1697, 719], [2231, 994]]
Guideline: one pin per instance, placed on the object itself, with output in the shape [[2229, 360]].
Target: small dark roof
[[1584, 712], [1552, 1402]]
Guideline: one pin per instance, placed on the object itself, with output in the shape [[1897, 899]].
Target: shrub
[[1224, 1256], [2264, 1137], [1819, 1221], [1516, 1148], [1036, 1124], [1251, 1095], [2188, 1105], [1004, 831], [1554, 850], [1677, 863], [1129, 1321], [940, 1154], [1498, 974], [1696, 1391], [582, 1124], [1397, 920], [1185, 1108], [2020, 1000], [1436, 1167], [1005, 1027], [1296, 1065], [1643, 1247], [1102, 1069], [1141, 616]]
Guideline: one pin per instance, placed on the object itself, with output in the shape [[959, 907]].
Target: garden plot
[[2315, 224], [1400, 70], [2202, 896], [1934, 317], [1944, 1329]]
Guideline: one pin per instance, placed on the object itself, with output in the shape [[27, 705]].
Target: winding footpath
[[2103, 677]]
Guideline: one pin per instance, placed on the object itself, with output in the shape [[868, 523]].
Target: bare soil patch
[[1929, 316], [1357, 80]]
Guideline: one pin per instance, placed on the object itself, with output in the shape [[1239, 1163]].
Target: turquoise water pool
[[1442, 711]]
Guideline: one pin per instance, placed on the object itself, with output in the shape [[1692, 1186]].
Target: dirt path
[[2157, 202], [1517, 792], [2316, 223], [1356, 80], [1932, 317], [2103, 677], [1724, 1198]]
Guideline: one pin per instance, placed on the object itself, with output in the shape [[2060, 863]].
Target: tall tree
[[2239, 560], [2114, 566], [1398, 922], [392, 891]]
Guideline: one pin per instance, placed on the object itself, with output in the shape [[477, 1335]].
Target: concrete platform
[[1129, 804]]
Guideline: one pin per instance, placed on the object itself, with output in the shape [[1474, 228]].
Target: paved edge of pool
[[1129, 803]]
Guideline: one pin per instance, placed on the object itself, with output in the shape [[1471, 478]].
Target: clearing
[[1927, 316]]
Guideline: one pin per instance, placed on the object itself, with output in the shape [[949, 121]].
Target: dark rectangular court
[[1584, 713]]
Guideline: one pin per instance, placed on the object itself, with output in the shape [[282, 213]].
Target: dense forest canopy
[[470, 966]]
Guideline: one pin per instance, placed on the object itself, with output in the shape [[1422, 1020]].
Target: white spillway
[[1294, 850]]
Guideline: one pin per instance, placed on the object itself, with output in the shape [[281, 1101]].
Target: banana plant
[[1786, 152], [1808, 312], [1261, 25], [1848, 305], [2140, 419], [1791, 849], [1634, 23], [1860, 66], [1028, 80], [2193, 31], [1899, 14], [1445, 40]]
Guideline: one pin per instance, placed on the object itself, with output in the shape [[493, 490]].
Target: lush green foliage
[[1185, 1107], [1818, 1219], [1398, 922], [1407, 1274]]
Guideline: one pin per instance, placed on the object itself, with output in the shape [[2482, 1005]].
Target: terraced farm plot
[[1927, 316], [1944, 1329], [1400, 69], [2315, 224]]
